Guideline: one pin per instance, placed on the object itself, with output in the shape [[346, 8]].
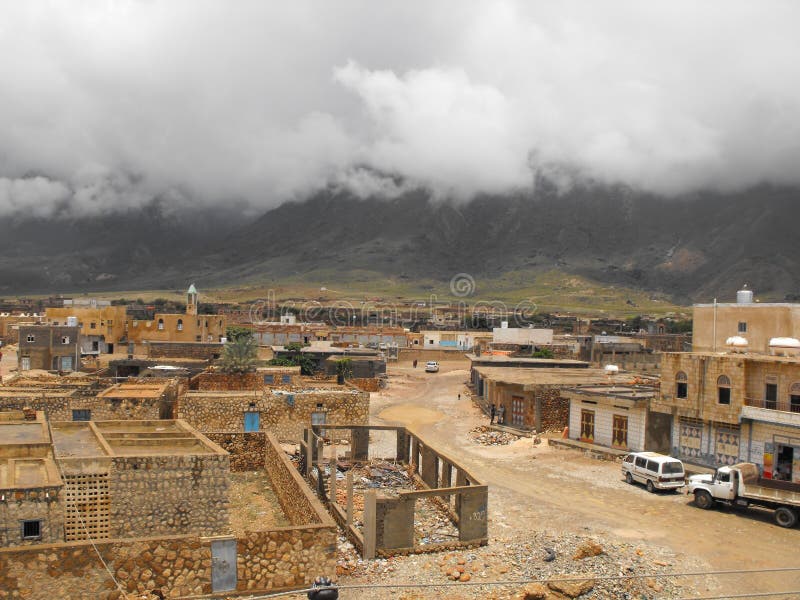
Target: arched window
[[180, 324], [724, 390], [161, 324], [681, 385], [794, 397]]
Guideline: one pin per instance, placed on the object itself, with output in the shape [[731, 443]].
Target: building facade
[[49, 347], [102, 326]]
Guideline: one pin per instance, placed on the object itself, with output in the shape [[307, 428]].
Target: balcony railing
[[781, 405]]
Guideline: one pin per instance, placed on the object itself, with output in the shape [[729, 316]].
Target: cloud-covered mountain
[[694, 247]]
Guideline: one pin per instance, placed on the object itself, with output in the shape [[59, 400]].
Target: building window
[[771, 395], [587, 426], [269, 379], [136, 323], [180, 324], [93, 325], [723, 390], [31, 530], [286, 379], [31, 338], [742, 327], [794, 398], [161, 324], [681, 385], [83, 414], [65, 339]]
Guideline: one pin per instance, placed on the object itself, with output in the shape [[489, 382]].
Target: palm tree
[[239, 356]]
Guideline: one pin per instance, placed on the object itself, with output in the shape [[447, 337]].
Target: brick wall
[[246, 449]]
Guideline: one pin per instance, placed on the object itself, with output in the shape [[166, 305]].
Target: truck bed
[[770, 494]]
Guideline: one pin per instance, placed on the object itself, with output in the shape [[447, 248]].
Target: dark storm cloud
[[108, 104]]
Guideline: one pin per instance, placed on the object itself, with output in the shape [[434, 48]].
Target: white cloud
[[118, 102]]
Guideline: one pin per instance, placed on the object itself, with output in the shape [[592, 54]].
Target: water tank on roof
[[72, 321], [744, 296]]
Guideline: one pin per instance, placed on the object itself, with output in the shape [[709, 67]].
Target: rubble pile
[[486, 436], [540, 557]]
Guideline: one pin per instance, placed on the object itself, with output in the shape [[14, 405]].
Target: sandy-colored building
[[49, 348], [757, 322], [178, 327], [10, 323], [102, 326]]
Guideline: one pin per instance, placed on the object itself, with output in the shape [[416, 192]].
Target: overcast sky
[[108, 104]]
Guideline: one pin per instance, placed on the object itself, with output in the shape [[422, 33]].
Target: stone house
[[282, 411], [10, 323], [731, 407], [31, 489], [49, 347]]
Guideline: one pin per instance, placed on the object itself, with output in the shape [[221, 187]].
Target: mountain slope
[[695, 247]]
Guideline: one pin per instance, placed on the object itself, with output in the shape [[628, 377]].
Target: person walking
[[415, 363], [501, 415], [493, 413]]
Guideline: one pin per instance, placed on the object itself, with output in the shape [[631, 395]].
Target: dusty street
[[542, 489]]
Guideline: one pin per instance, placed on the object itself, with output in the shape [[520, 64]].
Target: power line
[[80, 517], [518, 582]]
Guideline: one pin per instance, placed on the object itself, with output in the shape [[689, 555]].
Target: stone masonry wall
[[366, 384], [287, 557], [173, 566], [285, 415], [199, 350], [55, 407], [246, 449], [555, 410], [31, 504], [153, 495], [125, 409]]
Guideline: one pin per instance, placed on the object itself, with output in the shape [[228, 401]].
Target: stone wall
[[153, 495], [32, 504], [296, 499], [281, 413], [246, 449], [218, 381], [286, 557], [200, 350], [55, 405], [367, 384], [554, 410]]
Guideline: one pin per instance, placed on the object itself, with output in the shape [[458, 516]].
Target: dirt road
[[542, 488]]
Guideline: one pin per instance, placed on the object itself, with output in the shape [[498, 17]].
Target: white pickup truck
[[740, 485]]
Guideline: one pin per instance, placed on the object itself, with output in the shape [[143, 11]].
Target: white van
[[656, 471]]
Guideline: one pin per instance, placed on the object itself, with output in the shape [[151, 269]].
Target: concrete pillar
[[369, 524], [447, 474], [415, 454], [360, 444], [395, 523], [473, 515], [349, 508], [402, 446], [430, 467]]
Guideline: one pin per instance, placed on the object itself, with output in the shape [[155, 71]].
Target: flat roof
[[97, 439], [134, 390], [755, 356], [501, 358], [624, 392], [20, 473], [530, 378], [36, 392]]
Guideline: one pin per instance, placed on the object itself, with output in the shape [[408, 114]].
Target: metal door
[[25, 363], [223, 565], [318, 418], [66, 363], [251, 421]]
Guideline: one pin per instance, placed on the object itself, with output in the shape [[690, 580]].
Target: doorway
[[784, 462], [587, 426], [619, 436], [517, 411]]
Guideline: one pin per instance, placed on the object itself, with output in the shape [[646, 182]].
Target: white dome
[[737, 341], [784, 342]]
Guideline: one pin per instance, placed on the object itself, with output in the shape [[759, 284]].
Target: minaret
[[191, 301]]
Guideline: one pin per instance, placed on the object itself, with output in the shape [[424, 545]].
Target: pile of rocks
[[486, 436]]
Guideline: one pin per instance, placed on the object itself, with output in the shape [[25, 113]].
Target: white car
[[431, 366], [655, 471]]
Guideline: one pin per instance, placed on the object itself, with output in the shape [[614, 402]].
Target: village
[[194, 450]]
